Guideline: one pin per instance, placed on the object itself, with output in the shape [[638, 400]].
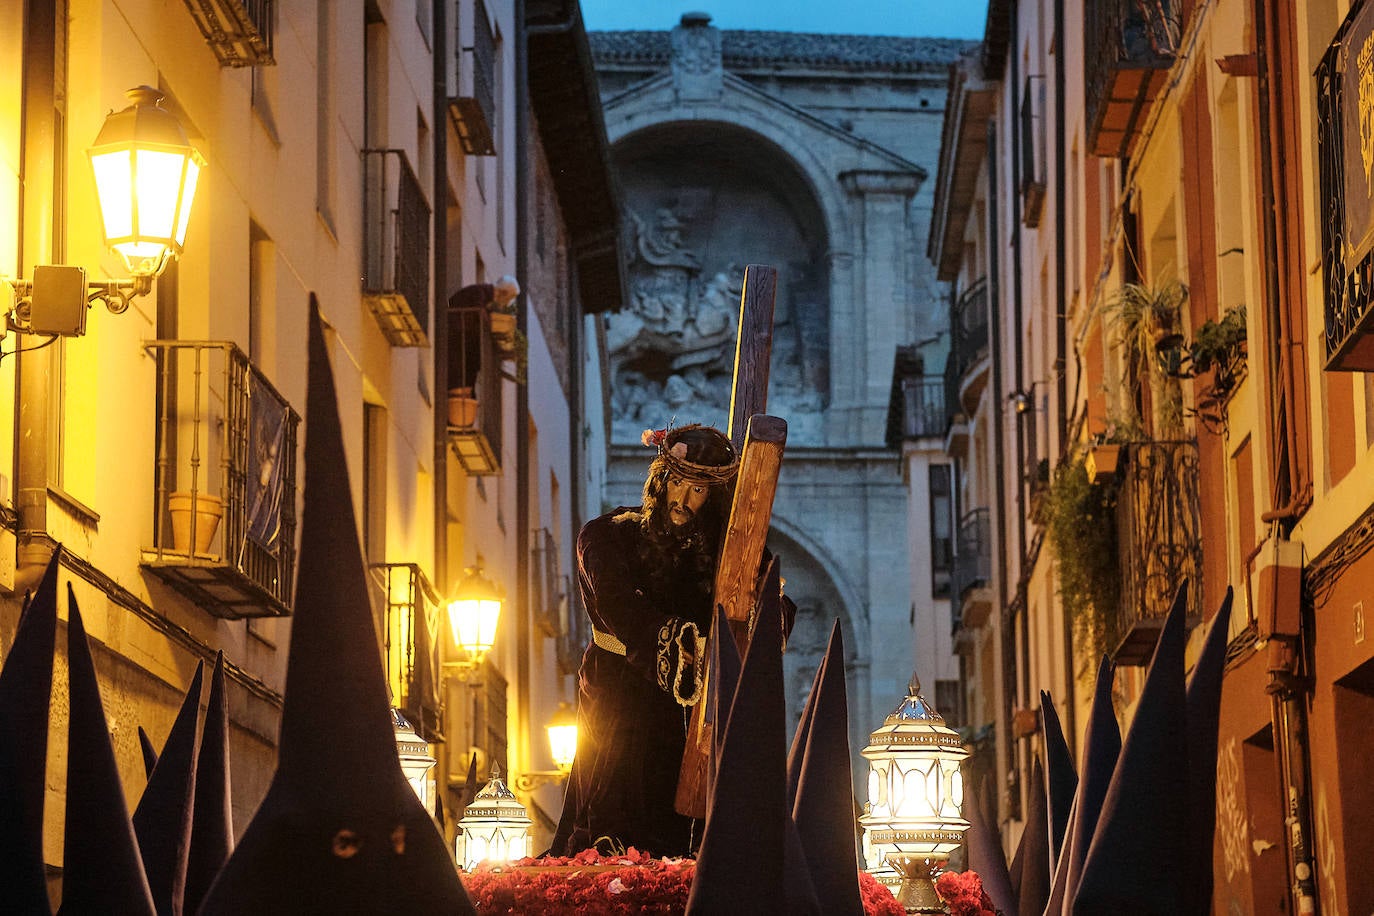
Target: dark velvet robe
[[633, 708]]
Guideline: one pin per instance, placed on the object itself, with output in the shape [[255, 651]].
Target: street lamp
[[562, 731], [495, 826], [473, 615], [915, 792], [146, 173], [416, 761]]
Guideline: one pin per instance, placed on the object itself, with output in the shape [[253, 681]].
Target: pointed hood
[[823, 806], [340, 826], [799, 877], [983, 845], [798, 749], [1204, 717], [212, 824], [25, 692], [1101, 747], [145, 744], [102, 871], [743, 848], [725, 665], [1030, 867], [1061, 779], [1145, 809], [162, 819]]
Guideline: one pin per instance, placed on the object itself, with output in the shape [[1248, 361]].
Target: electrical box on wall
[[57, 304], [1278, 588]]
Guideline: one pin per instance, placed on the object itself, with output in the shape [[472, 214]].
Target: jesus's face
[[685, 500]]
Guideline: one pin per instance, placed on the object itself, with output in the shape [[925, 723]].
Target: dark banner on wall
[[268, 416], [1357, 115]]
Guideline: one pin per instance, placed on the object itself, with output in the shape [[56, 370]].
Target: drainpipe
[[439, 272], [1061, 363], [1288, 686], [37, 242], [523, 482]]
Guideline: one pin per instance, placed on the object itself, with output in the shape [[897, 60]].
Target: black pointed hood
[[983, 844], [145, 744], [212, 823], [823, 806], [724, 677], [1145, 809], [1061, 778], [25, 692], [102, 871], [162, 819], [340, 826], [1030, 867], [1204, 719], [743, 848]]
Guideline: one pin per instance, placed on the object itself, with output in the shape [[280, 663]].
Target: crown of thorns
[[674, 456]]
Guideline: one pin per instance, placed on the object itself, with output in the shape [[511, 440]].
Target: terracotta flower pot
[[209, 510], [462, 407], [502, 325], [1102, 461]]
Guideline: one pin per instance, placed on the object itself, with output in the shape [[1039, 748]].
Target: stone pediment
[[657, 101]]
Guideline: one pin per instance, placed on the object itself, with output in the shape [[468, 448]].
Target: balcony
[[968, 323], [1346, 217], [475, 389], [412, 622], [226, 457], [473, 111], [1128, 49], [923, 407], [395, 247], [1159, 542], [238, 31], [970, 595]]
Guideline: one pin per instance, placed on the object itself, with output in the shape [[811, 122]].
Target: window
[[941, 530], [1033, 150], [324, 114], [262, 283], [374, 483]]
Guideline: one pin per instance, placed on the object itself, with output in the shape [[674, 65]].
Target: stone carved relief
[[672, 352]]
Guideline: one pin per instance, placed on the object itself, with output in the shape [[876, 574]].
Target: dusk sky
[[930, 18]]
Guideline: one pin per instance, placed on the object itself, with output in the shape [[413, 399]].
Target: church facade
[[808, 153]]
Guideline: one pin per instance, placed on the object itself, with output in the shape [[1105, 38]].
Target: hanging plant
[[1146, 319], [1081, 521]]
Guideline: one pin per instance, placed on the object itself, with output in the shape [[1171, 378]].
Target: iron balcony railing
[[238, 31], [1129, 46], [396, 247], [474, 367], [973, 554], [923, 407], [412, 633], [224, 516], [969, 325], [1347, 217], [474, 110], [1159, 540]]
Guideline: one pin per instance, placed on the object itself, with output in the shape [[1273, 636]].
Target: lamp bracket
[[65, 290], [528, 782]]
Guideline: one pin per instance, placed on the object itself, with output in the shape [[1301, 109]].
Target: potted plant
[[1081, 524], [462, 408], [1220, 347], [1146, 317], [501, 320], [208, 511], [1101, 461]]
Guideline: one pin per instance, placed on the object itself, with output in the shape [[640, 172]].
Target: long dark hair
[[670, 550]]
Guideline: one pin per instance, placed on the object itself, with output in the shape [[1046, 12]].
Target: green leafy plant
[[1220, 346], [1081, 522], [1143, 315]]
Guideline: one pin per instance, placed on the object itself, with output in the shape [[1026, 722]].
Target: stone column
[[880, 292]]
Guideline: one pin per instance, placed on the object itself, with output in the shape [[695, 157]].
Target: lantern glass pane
[[158, 178], [877, 797], [563, 745], [114, 186], [188, 196]]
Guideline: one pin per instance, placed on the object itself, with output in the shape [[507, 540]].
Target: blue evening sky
[[926, 18]]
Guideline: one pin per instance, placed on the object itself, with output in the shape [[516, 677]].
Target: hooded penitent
[[1030, 867], [823, 805], [101, 868], [1061, 779], [743, 846], [1145, 809], [984, 848], [340, 830], [25, 688], [162, 819], [212, 827], [1204, 718]]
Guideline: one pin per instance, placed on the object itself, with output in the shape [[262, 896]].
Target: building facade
[[380, 158], [1157, 216], [807, 153]]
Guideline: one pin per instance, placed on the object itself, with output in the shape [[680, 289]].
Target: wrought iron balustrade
[[969, 325], [1158, 539], [973, 553], [238, 31], [395, 247], [1129, 46], [474, 109], [224, 514], [923, 407], [412, 633], [548, 584]]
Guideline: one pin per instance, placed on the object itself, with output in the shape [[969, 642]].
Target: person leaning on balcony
[[646, 576], [466, 309]]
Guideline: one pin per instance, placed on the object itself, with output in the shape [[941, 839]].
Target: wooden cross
[[759, 440]]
